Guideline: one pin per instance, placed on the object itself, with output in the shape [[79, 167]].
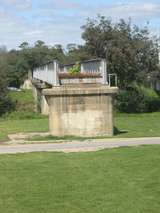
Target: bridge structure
[[80, 103]]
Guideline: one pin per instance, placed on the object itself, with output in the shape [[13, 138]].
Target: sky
[[60, 21]]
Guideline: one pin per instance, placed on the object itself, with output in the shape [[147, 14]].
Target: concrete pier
[[41, 105], [81, 109]]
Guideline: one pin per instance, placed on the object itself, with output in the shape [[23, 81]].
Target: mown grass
[[25, 120], [126, 125], [115, 181], [26, 125], [138, 125]]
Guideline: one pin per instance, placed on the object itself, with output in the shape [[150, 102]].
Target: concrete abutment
[[81, 110]]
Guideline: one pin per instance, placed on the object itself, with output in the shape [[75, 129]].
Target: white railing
[[112, 80], [94, 66], [91, 66], [49, 73]]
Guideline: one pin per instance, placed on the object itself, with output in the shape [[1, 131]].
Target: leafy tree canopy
[[129, 50]]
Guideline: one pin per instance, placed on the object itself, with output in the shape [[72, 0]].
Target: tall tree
[[5, 102], [129, 51]]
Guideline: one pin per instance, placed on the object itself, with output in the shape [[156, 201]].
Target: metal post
[[115, 79], [55, 73], [82, 68], [104, 71]]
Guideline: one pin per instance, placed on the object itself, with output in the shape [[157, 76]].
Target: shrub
[[75, 69], [6, 104], [137, 99]]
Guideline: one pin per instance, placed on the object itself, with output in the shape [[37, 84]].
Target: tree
[[19, 62], [129, 51], [71, 47], [76, 53], [5, 102], [24, 45], [39, 43]]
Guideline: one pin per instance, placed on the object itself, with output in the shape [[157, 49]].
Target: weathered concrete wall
[[82, 110], [44, 105], [27, 84], [41, 104], [81, 80]]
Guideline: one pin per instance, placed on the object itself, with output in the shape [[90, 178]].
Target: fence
[[49, 73]]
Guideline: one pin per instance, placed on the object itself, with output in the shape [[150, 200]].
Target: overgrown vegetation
[[6, 104], [24, 106], [138, 99], [75, 69], [129, 50]]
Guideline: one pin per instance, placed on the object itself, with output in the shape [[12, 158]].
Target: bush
[[136, 99], [6, 104], [75, 69]]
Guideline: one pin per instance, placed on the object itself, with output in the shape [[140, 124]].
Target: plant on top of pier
[[75, 69]]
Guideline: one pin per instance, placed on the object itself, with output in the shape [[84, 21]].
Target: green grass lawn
[[23, 119], [128, 125], [26, 125], [138, 125], [124, 180]]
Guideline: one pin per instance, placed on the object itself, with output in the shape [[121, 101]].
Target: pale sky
[[59, 21]]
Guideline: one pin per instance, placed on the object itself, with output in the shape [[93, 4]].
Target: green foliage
[[76, 53], [24, 106], [75, 69], [138, 99], [6, 104], [129, 50], [19, 62]]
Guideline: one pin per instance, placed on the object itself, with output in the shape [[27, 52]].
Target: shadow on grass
[[119, 132]]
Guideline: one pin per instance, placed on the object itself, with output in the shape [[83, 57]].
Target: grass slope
[[24, 100], [114, 181]]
